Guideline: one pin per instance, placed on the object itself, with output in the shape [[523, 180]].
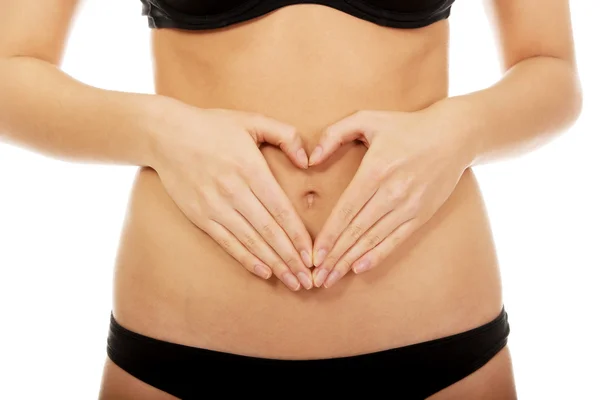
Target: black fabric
[[202, 14], [410, 372]]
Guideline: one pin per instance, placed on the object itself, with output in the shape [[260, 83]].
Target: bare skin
[[443, 279], [455, 283]]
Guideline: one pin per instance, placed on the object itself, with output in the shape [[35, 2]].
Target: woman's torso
[[308, 65]]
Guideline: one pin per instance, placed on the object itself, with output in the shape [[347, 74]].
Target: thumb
[[277, 133], [334, 136]]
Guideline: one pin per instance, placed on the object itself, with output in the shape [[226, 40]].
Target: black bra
[[210, 14]]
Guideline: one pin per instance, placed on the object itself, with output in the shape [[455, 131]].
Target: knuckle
[[410, 179], [200, 221], [412, 206], [295, 236], [328, 241], [395, 193], [267, 231], [376, 174], [346, 212], [212, 204], [281, 215], [256, 173], [397, 239], [373, 240], [249, 241], [385, 168], [226, 186], [291, 261], [284, 145], [404, 234], [244, 169], [196, 211], [225, 244], [355, 231], [343, 266]]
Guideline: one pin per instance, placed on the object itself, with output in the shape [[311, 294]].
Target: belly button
[[310, 198]]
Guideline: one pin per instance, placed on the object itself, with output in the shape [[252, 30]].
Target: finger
[[254, 243], [280, 134], [357, 194], [378, 215], [234, 248], [374, 256], [334, 136], [379, 253], [266, 189], [384, 228], [255, 213]]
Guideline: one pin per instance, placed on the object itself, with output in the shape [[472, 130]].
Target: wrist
[[156, 113], [461, 127]]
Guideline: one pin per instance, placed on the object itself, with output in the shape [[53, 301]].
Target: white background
[[60, 225]]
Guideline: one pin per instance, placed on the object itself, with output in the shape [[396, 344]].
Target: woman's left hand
[[413, 163]]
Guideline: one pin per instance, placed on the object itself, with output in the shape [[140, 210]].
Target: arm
[[539, 95], [227, 191], [415, 159], [45, 110]]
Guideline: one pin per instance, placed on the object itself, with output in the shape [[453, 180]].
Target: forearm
[[47, 111], [536, 100]]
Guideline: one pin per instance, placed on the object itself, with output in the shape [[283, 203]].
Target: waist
[[173, 282]]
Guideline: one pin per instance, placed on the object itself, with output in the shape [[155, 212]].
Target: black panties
[[410, 372]]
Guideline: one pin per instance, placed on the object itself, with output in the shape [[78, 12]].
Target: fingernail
[[319, 257], [316, 155], [262, 271], [362, 266], [306, 259], [320, 277], [291, 281], [332, 278], [302, 157], [305, 280]]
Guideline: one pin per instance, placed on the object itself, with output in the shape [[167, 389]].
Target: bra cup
[[203, 7], [404, 6], [214, 7], [213, 14]]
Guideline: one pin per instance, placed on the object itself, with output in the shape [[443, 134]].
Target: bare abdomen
[[174, 283]]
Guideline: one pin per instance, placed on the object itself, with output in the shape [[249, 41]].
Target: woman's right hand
[[210, 164]]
